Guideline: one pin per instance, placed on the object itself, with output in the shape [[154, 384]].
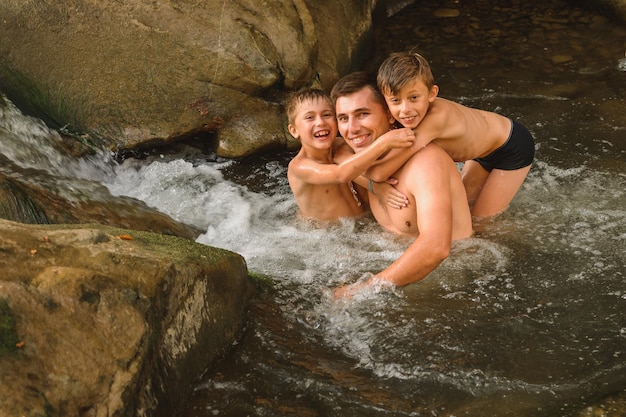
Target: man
[[437, 213]]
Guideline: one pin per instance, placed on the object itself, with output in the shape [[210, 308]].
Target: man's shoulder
[[426, 159], [431, 152]]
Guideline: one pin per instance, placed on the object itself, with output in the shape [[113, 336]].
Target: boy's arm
[[384, 167], [385, 190], [432, 127], [313, 172]]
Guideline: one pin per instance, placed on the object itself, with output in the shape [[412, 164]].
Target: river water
[[527, 318]]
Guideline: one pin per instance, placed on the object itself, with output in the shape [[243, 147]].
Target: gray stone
[[111, 321]]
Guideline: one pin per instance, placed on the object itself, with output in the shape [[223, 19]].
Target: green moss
[[263, 281], [179, 247], [8, 337]]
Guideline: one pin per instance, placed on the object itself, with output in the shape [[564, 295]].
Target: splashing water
[[527, 318], [531, 309]]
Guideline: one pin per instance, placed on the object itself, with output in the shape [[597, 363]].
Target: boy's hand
[[389, 194], [398, 138]]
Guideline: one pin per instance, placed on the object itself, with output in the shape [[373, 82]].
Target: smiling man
[[437, 213]]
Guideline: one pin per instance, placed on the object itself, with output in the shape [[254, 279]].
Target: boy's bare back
[[463, 132]]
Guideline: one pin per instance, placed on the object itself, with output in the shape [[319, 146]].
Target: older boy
[[323, 189], [498, 152]]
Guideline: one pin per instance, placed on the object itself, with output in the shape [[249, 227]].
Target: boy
[[323, 189], [497, 151]]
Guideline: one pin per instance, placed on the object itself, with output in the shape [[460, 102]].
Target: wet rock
[[110, 321], [132, 72], [28, 200], [447, 13], [561, 59]]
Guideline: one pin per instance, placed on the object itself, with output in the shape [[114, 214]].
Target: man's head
[[407, 83], [362, 114], [311, 117]]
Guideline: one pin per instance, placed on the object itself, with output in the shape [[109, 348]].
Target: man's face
[[361, 119]]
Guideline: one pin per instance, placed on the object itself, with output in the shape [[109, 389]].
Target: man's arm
[[430, 186]]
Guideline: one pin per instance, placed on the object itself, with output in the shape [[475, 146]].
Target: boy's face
[[314, 124], [410, 105], [361, 118]]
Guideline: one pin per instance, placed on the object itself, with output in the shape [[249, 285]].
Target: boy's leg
[[497, 191], [474, 177]]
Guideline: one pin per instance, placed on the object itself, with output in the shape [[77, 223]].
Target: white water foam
[[29, 143]]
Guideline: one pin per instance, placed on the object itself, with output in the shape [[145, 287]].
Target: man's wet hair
[[355, 82]]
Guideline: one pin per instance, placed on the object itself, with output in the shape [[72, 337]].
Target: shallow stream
[[528, 318]]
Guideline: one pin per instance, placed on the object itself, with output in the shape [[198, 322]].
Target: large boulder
[[130, 73], [96, 321]]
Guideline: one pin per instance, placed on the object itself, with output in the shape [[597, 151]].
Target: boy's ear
[[293, 130], [433, 93], [390, 118]]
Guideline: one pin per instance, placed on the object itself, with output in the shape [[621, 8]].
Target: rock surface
[[137, 72], [97, 321], [134, 74], [28, 202]]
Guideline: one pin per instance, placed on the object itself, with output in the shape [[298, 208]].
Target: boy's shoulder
[[297, 160], [446, 111]]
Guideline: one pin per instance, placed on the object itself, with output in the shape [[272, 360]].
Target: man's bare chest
[[402, 221]]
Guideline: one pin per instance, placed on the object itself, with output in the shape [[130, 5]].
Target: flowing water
[[527, 318]]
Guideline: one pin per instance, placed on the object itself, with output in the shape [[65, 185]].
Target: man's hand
[[369, 284], [347, 291]]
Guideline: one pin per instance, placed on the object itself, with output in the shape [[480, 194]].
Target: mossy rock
[[8, 337]]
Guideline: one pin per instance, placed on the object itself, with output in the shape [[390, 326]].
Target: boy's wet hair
[[401, 68], [355, 82], [300, 96]]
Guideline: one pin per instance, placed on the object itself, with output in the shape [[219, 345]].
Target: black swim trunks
[[517, 152]]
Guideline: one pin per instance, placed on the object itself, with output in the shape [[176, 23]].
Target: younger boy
[[323, 189], [498, 152]]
